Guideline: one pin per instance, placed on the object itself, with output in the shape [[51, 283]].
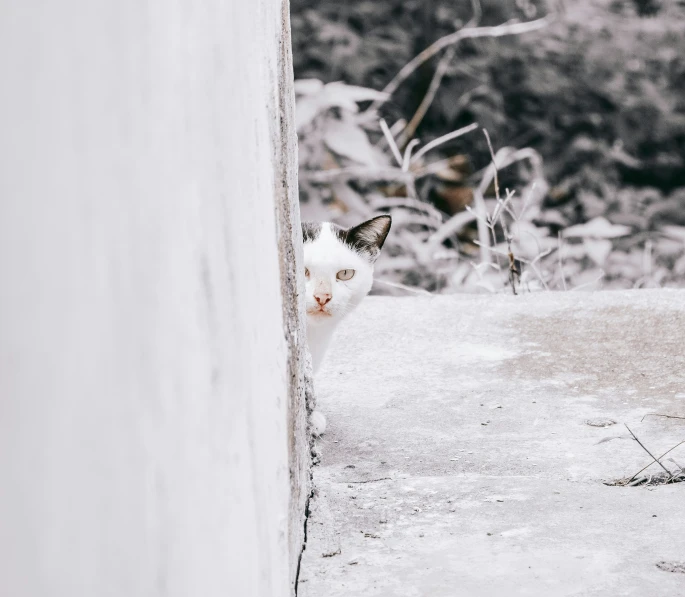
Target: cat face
[[339, 266]]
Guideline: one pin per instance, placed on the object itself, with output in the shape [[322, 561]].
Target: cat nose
[[322, 298]]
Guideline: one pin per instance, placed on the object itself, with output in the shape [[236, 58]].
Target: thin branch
[[459, 105], [397, 127], [504, 253], [503, 206], [526, 199], [436, 80], [477, 13], [497, 215], [410, 186], [395, 130], [538, 273], [452, 226], [391, 141], [540, 255], [494, 164], [602, 273], [444, 139], [648, 452], [509, 28], [505, 157], [433, 87], [651, 463], [561, 263], [407, 154]]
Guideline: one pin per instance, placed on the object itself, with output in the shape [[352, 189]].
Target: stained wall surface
[[145, 372]]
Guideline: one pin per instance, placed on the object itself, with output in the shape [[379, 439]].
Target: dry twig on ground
[[657, 460], [660, 457]]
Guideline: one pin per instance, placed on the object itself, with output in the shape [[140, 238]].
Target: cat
[[338, 275]]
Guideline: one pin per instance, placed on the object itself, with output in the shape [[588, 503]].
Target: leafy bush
[[599, 96]]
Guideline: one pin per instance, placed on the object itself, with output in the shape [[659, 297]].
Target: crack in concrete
[[304, 541]]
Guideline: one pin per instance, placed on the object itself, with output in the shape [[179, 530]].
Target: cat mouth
[[320, 312]]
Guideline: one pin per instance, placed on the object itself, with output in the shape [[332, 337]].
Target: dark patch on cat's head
[[366, 238], [310, 231]]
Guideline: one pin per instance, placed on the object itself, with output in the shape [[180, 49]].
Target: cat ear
[[368, 237], [310, 231]]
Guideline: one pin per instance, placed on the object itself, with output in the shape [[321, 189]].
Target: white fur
[[324, 258], [318, 423]]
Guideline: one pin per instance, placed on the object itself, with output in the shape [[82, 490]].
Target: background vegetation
[[587, 120]]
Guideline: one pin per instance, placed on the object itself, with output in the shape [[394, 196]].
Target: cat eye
[[345, 274], [306, 273]]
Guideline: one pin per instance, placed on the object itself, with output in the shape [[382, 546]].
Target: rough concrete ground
[[459, 460]]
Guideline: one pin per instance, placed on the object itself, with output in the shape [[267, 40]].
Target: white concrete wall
[[143, 364]]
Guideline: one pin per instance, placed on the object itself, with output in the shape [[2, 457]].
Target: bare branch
[[538, 273], [407, 154], [494, 163], [602, 273], [391, 142], [427, 100], [436, 80], [444, 139], [460, 104], [477, 13], [658, 461], [504, 158], [561, 262], [452, 226], [510, 28]]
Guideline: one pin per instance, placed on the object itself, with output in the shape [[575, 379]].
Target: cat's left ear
[[368, 237]]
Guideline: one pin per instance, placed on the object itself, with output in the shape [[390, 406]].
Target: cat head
[[339, 266]]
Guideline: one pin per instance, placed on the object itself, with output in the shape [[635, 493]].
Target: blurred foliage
[[599, 95]]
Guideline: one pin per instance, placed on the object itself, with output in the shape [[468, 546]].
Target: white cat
[[339, 274]]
